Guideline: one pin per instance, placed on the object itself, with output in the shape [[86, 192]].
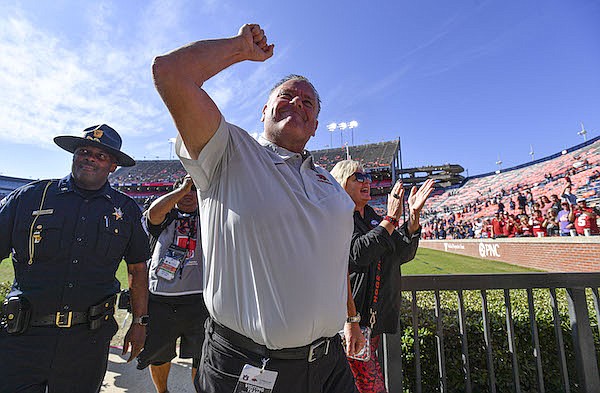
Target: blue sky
[[462, 81]]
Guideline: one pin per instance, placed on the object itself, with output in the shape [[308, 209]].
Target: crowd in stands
[[521, 202], [552, 198], [146, 172], [374, 155]]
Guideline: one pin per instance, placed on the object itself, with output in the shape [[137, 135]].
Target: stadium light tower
[[342, 127], [531, 152], [352, 125], [331, 127], [171, 144], [499, 163], [583, 133]]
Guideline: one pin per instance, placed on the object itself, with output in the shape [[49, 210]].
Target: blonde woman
[[379, 246]]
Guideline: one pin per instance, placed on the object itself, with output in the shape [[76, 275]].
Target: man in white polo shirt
[[276, 228]]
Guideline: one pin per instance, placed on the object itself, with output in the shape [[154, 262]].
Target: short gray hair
[[300, 78], [344, 169]]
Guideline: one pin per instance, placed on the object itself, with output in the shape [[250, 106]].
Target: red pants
[[368, 375]]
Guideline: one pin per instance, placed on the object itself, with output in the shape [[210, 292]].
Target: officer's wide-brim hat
[[101, 136]]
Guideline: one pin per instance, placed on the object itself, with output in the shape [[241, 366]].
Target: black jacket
[[370, 244]]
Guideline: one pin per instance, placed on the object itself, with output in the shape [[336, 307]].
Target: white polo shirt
[[275, 242]]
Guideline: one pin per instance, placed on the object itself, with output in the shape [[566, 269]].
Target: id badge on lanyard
[[256, 379], [171, 261]]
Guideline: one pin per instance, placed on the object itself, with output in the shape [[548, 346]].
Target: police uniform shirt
[[66, 252], [276, 239]]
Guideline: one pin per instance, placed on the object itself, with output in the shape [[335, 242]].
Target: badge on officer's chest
[[118, 213], [37, 234]]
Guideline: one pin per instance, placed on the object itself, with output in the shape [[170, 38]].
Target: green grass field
[[429, 261], [426, 262]]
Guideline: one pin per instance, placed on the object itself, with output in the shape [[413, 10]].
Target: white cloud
[[50, 88]]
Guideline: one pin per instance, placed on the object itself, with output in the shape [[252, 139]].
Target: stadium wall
[[553, 254]]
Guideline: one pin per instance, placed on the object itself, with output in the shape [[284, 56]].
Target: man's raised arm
[[180, 74]]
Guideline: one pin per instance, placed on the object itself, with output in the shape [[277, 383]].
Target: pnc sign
[[489, 250]]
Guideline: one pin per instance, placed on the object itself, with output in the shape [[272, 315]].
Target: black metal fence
[[415, 361]]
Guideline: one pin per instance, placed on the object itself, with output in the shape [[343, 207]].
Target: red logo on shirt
[[323, 178]]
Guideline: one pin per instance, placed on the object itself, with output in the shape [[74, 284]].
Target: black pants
[[222, 363], [65, 360]]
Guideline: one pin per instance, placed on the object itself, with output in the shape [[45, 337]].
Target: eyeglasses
[[362, 177]]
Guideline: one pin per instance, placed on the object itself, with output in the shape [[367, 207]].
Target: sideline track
[[123, 377]]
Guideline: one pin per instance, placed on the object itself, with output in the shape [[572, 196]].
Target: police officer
[[67, 238]]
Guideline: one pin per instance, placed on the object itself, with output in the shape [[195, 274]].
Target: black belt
[[61, 319], [95, 316], [311, 352]]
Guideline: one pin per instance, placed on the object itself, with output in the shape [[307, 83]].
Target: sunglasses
[[362, 177]]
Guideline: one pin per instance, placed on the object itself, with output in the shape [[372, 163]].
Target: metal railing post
[[392, 359], [583, 341]]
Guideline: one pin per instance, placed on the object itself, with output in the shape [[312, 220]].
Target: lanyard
[[190, 223], [372, 310]]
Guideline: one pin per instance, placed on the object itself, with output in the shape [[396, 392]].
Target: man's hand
[[355, 341], [136, 335], [187, 184], [138, 288], [256, 42]]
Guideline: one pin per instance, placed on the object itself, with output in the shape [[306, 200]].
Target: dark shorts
[[168, 322], [222, 363], [65, 360]]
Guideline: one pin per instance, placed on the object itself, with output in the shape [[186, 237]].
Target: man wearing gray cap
[[67, 237]]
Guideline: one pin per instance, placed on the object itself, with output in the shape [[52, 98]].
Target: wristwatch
[[353, 319], [142, 320]]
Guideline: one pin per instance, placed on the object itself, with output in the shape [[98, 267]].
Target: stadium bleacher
[[144, 172], [472, 198], [380, 159], [528, 177], [372, 156], [478, 197], [8, 184], [465, 200]]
